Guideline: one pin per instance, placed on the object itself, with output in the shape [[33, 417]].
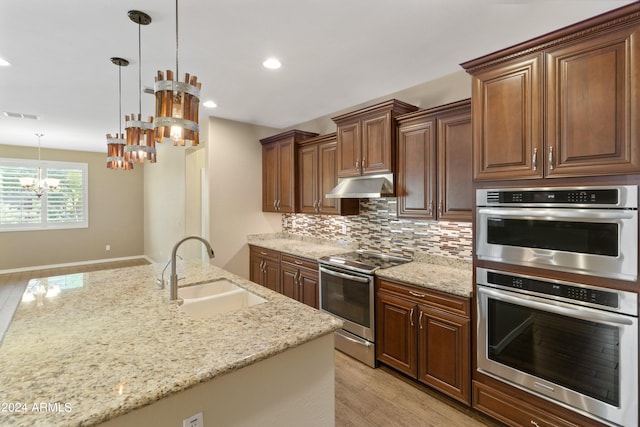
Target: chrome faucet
[[173, 279]]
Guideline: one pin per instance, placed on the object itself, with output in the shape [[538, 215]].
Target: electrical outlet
[[195, 420], [108, 247]]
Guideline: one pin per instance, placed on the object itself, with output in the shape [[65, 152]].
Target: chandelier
[[39, 185], [115, 145], [177, 104], [140, 142]]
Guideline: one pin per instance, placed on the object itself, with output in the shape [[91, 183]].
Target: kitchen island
[[110, 348]]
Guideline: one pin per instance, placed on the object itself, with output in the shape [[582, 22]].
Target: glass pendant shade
[[177, 106], [115, 153], [140, 143]]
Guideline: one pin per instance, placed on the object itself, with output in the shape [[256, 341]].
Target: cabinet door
[[287, 177], [377, 155], [593, 96], [270, 177], [328, 177], [417, 170], [349, 149], [308, 287], [455, 185], [289, 280], [255, 269], [396, 333], [443, 349], [507, 137], [308, 176], [272, 275]]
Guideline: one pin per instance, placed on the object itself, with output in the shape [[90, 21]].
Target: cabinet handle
[[416, 294], [363, 163], [299, 277], [533, 423], [430, 209], [279, 204], [534, 159], [357, 164], [440, 208], [262, 266], [319, 205], [411, 316], [420, 320], [275, 204], [551, 167], [298, 262]]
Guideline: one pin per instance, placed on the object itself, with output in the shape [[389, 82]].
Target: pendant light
[[177, 105], [140, 142], [39, 185], [115, 146]]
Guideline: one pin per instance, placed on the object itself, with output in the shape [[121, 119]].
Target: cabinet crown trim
[[296, 134], [394, 105]]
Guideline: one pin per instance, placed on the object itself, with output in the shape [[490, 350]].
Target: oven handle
[[344, 276], [590, 214], [532, 302]]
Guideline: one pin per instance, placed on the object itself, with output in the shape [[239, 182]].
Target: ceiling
[[335, 54]]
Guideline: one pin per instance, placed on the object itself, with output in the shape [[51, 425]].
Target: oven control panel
[[583, 197], [563, 290]]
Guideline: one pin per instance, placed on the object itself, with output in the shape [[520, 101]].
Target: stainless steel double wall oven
[[566, 341]]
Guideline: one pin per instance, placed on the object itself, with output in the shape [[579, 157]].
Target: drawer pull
[[298, 262], [262, 253], [416, 294]]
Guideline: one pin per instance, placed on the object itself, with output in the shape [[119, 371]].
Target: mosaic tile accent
[[378, 228]]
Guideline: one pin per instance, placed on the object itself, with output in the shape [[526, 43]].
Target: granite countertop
[[305, 248], [111, 342], [434, 272]]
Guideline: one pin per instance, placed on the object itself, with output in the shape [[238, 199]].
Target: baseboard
[[74, 264]]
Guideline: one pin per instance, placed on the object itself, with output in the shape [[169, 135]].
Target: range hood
[[363, 187]]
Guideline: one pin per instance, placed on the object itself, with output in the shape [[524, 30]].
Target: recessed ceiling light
[[209, 104], [4, 63], [272, 63]]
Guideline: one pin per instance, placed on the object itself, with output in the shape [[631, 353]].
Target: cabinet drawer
[[512, 411], [447, 302], [299, 262], [265, 253]]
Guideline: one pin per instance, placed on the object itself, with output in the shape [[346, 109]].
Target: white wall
[[235, 192]]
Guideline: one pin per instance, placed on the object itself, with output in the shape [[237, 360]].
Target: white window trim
[[44, 224]]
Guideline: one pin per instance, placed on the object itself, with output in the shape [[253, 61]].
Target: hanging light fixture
[[177, 105], [140, 142], [39, 185], [115, 145]]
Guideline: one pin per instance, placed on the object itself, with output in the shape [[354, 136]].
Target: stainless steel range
[[347, 291]]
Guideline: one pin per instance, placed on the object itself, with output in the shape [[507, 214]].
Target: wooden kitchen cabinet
[[299, 279], [279, 170], [265, 267], [565, 104], [317, 175], [426, 335], [366, 139], [434, 163]]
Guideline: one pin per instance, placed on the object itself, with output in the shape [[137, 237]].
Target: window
[[66, 207]]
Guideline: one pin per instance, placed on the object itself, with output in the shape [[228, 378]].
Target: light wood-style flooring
[[365, 397]]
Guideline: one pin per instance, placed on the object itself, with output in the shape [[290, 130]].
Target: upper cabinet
[[279, 170], [317, 175], [565, 104], [366, 139], [434, 163]]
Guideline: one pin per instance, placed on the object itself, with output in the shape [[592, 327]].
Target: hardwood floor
[[365, 397], [382, 397]]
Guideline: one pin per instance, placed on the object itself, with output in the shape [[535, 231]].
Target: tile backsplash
[[378, 228]]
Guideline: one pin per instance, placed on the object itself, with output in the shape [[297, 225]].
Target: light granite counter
[[111, 342], [298, 246], [434, 272]]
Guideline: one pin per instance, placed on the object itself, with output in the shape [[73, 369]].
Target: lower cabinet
[[289, 275], [426, 335], [299, 279], [265, 267]]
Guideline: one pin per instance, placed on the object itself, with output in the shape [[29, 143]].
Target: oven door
[[349, 296], [598, 242], [581, 358]]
